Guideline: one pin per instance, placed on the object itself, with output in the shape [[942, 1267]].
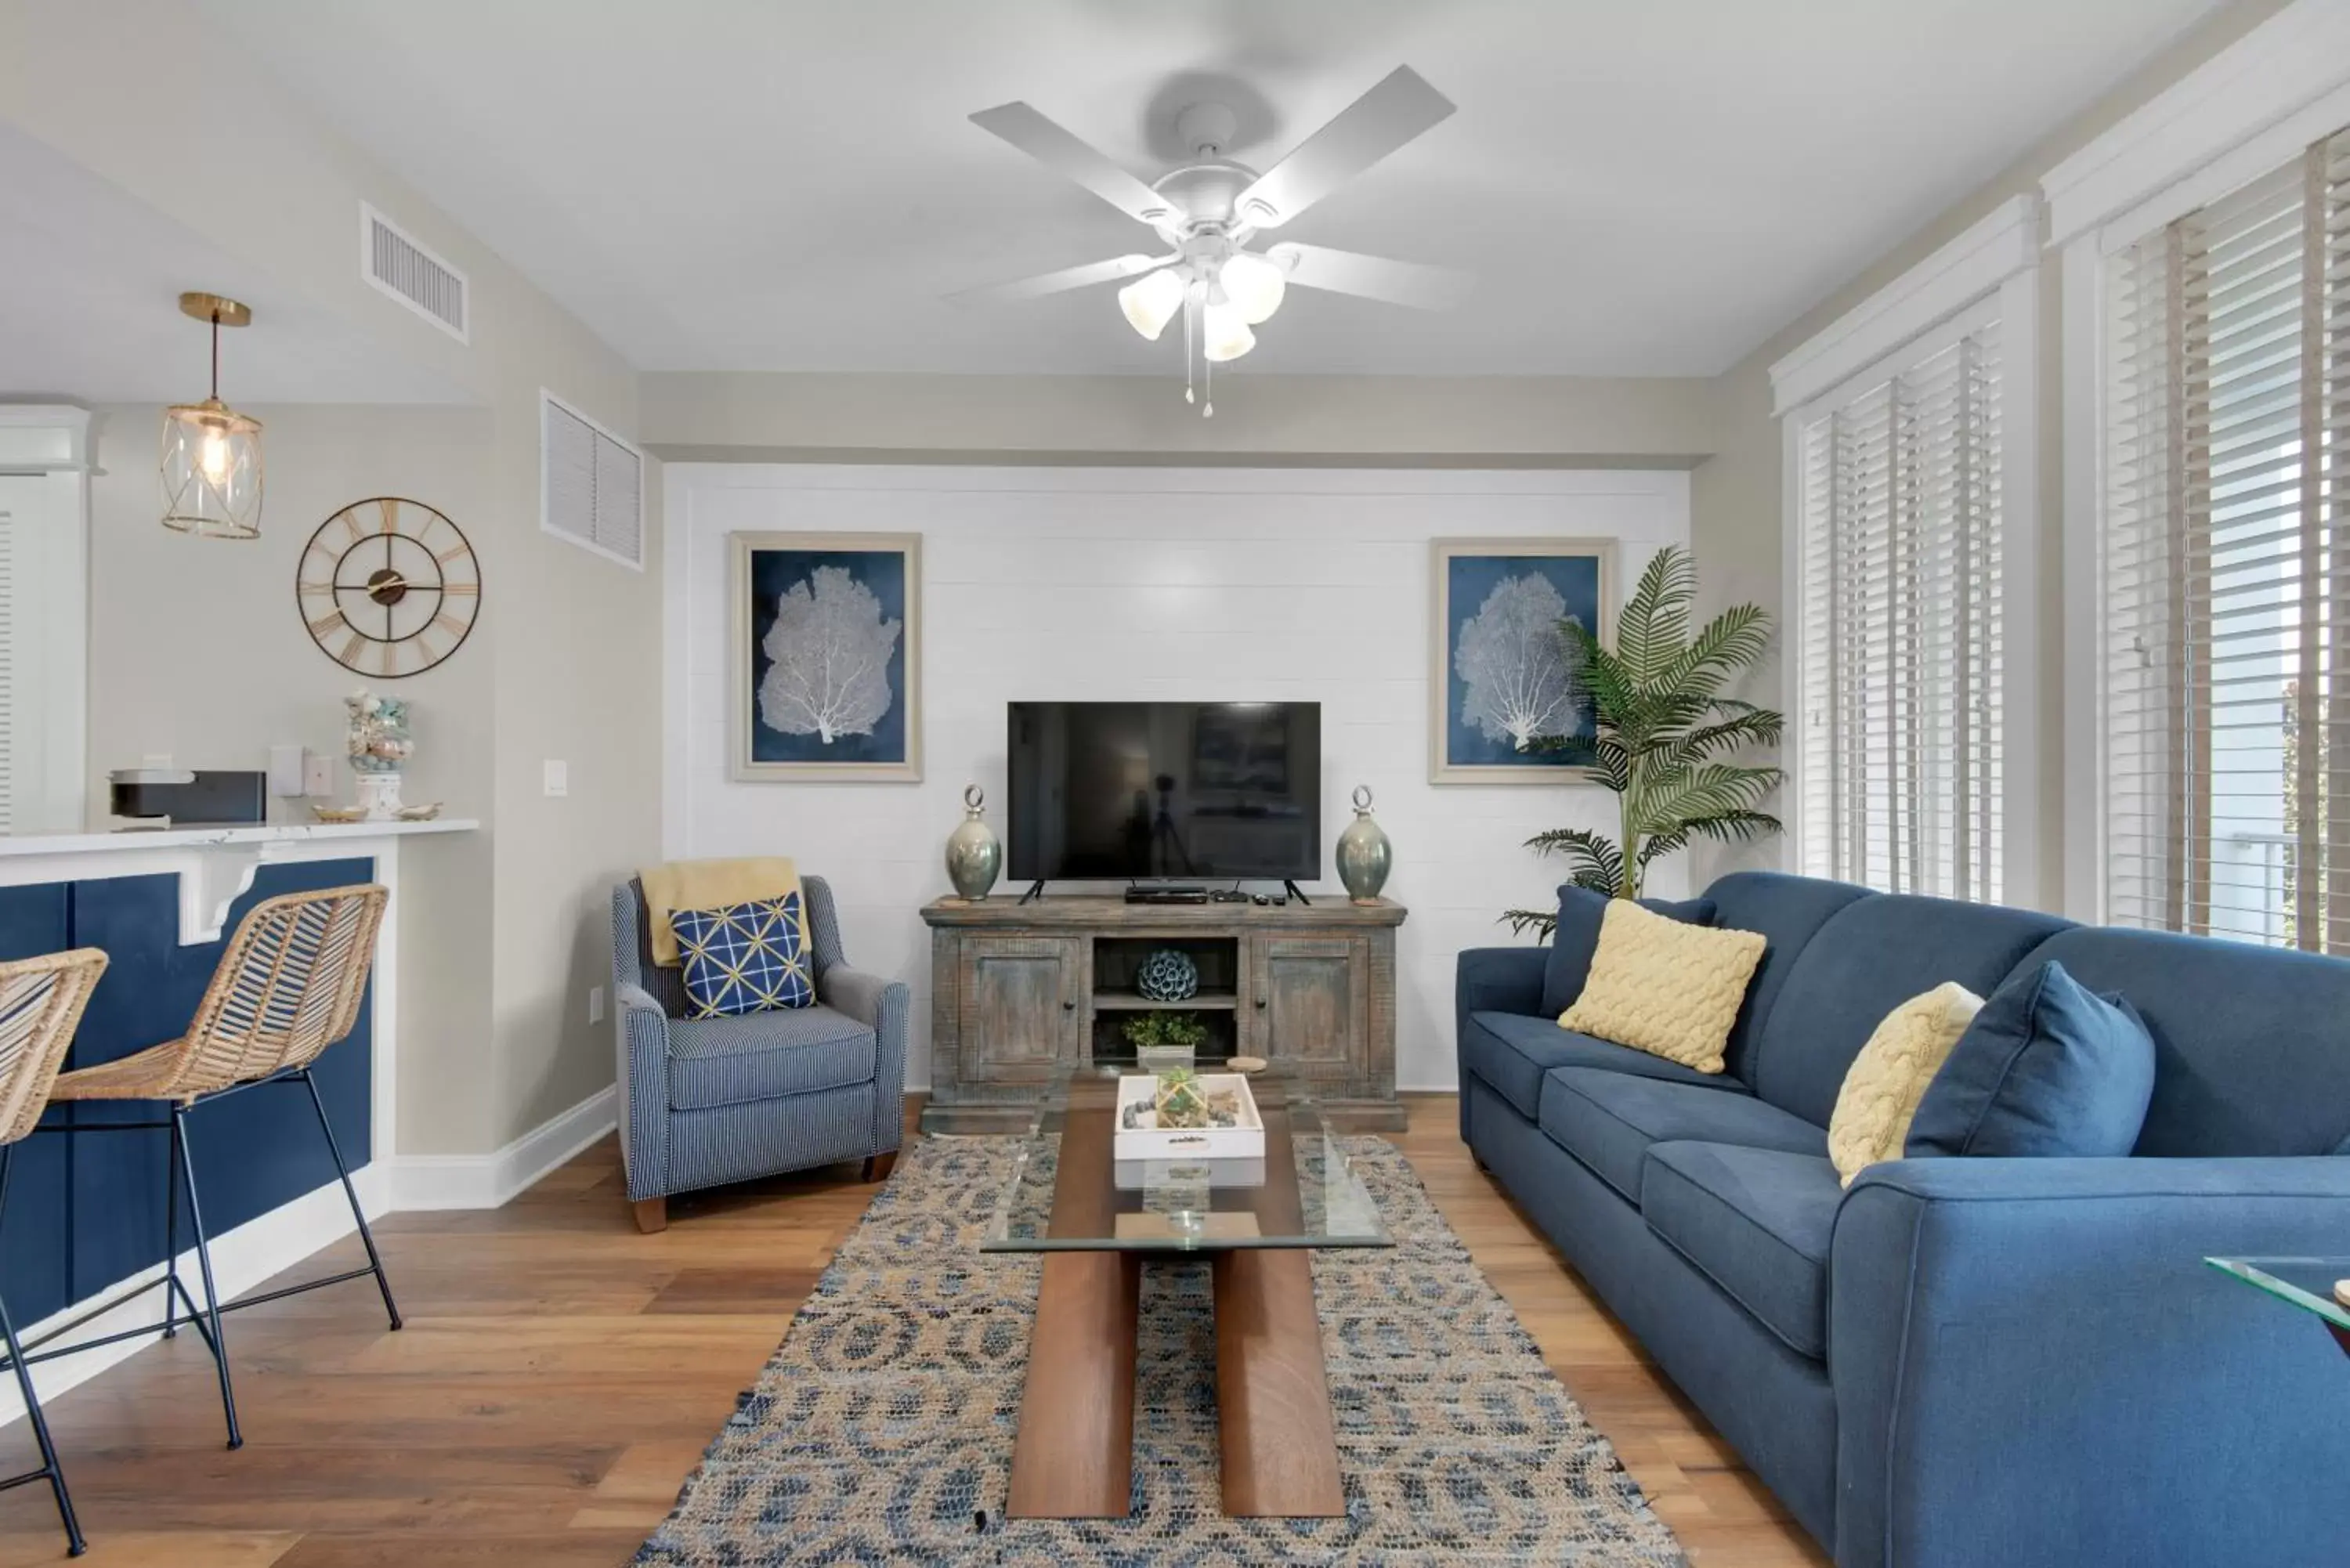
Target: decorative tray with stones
[[1182, 1114]]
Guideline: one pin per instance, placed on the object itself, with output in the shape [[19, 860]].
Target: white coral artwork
[[829, 651], [1512, 662]]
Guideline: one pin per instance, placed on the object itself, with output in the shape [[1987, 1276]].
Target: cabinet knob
[[1068, 1007], [1260, 1001]]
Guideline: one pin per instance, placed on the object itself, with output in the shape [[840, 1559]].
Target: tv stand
[[1021, 992], [1294, 891], [1035, 890]]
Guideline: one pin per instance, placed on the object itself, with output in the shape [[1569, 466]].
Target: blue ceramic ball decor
[[1168, 975]]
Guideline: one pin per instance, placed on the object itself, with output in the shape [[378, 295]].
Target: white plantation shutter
[[2226, 566], [1901, 660], [9, 620]]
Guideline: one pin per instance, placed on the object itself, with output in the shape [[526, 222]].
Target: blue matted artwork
[[828, 682], [1505, 676]]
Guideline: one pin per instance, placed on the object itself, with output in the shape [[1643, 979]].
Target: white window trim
[[617, 439], [1992, 269], [51, 781], [2248, 109]]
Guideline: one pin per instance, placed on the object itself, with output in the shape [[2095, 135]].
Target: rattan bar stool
[[41, 1000], [288, 986]]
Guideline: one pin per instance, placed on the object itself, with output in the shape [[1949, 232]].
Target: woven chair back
[[41, 1000], [288, 986]]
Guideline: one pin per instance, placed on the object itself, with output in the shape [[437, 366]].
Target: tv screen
[[1167, 790]]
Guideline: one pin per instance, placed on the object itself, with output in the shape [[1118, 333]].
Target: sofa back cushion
[[1868, 959], [2251, 1044], [1788, 911]]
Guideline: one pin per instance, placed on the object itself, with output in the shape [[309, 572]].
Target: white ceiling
[[1644, 189], [91, 308]]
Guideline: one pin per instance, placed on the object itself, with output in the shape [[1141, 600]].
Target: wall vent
[[396, 264], [591, 483]]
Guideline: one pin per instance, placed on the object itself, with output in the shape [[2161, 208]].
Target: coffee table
[[1098, 1220]]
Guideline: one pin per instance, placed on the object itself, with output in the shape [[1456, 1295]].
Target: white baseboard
[[488, 1181], [266, 1245]]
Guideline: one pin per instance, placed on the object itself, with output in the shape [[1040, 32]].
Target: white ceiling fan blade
[[1055, 147], [1372, 278], [1400, 107], [1060, 282]]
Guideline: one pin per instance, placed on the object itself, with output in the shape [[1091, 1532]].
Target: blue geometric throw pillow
[[746, 958]]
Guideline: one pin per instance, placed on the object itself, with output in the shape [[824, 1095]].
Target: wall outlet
[[317, 776], [558, 776], [595, 1004]]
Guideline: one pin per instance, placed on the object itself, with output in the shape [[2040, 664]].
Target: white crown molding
[[487, 1180], [1968, 269], [2271, 73]]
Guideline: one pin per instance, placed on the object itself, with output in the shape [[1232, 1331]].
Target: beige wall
[[1735, 522], [565, 661]]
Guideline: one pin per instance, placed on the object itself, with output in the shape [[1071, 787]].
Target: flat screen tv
[[1186, 791]]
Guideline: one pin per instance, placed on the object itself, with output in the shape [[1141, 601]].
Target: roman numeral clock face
[[388, 588]]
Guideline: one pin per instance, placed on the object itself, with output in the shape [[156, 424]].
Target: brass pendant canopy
[[211, 462]]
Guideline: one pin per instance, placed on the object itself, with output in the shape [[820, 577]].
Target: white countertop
[[201, 837]]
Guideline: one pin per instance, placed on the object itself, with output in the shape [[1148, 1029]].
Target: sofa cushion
[[1511, 1052], [1607, 1120], [1755, 1222], [765, 1056], [2250, 1055], [2047, 1069], [1787, 910], [1868, 959], [1576, 937], [1661, 985]]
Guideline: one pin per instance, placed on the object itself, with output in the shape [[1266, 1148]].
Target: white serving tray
[[1186, 1145]]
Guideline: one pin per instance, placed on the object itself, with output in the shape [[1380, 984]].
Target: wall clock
[[388, 586]]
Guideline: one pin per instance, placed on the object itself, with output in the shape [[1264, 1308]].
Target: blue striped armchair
[[705, 1101]]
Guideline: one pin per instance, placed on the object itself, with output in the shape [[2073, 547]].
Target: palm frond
[[1654, 625], [1593, 860], [1541, 924], [1725, 645]]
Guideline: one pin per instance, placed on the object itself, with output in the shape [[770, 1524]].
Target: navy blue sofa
[[1961, 1361]]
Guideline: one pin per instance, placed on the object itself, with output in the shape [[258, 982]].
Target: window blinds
[[1900, 652], [2226, 565]]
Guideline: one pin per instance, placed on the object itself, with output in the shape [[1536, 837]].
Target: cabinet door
[[1019, 1007], [1310, 1000]]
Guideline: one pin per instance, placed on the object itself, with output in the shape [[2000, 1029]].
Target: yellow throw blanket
[[712, 885]]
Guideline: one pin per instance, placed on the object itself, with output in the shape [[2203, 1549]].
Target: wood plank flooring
[[560, 1374]]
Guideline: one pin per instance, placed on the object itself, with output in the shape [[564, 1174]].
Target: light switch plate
[[558, 776], [317, 776]]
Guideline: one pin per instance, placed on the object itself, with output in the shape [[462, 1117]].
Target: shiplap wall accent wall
[[1133, 585]]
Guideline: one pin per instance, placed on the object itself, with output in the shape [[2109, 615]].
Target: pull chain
[[1187, 346]]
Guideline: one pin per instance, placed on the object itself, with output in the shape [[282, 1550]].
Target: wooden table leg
[[1074, 1456], [1280, 1440]]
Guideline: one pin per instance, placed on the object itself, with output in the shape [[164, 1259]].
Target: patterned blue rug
[[882, 1431]]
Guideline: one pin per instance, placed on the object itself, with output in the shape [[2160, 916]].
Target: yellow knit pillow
[[1885, 1081], [1665, 987]]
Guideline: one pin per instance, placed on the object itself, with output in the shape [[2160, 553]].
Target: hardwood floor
[[561, 1372]]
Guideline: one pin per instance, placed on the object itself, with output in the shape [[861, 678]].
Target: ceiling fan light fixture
[[1254, 285], [1224, 334], [1151, 301]]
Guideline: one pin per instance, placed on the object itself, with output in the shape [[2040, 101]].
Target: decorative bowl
[[420, 812], [338, 812]]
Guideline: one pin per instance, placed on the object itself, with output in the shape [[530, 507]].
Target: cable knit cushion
[[1886, 1080], [1665, 988]]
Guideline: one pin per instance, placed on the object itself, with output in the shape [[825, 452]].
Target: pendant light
[[212, 453]]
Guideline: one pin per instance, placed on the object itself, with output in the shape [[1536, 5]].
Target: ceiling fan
[[1210, 210]]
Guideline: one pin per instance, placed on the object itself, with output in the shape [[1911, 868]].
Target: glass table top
[[2305, 1283], [1066, 1191]]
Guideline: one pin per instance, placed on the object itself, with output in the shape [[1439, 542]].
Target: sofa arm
[[2034, 1365], [1491, 980], [642, 1030], [881, 1005]]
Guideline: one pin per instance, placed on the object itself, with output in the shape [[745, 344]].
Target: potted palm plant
[[1663, 734]]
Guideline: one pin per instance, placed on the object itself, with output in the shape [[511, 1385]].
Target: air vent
[[591, 483], [411, 274]]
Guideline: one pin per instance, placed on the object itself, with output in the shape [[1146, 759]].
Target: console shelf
[[1021, 992]]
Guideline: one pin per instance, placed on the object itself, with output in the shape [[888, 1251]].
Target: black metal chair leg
[[74, 1545], [172, 1290], [204, 1259], [367, 1237]]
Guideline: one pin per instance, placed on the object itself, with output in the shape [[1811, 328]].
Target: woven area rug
[[882, 1431]]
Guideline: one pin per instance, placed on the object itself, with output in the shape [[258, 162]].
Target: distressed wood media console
[[1020, 991]]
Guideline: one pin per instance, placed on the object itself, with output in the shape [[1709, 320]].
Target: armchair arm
[[881, 1005], [2033, 1365], [1491, 980], [642, 1030]]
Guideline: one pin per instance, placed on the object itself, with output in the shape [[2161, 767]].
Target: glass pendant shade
[[1151, 301], [1225, 333], [1254, 285], [212, 470]]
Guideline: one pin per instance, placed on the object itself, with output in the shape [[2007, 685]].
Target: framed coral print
[[1502, 678], [826, 656]]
